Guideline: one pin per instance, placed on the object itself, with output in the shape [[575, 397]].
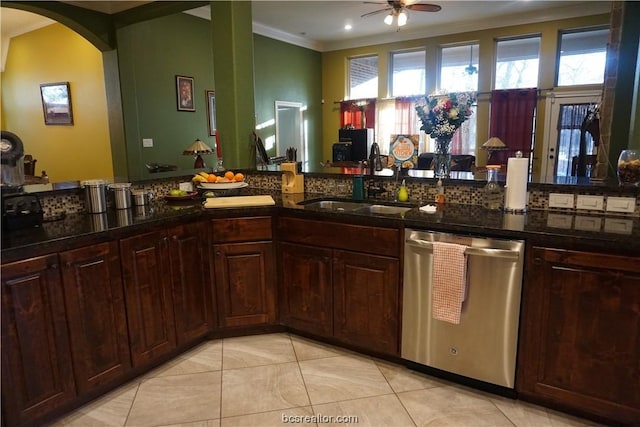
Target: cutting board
[[238, 201]]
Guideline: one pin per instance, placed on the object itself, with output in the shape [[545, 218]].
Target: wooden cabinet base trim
[[577, 411]]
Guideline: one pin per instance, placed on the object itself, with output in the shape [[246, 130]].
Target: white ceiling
[[320, 24]]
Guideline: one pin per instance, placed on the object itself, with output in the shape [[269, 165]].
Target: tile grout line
[[133, 401], [304, 383], [222, 340], [396, 395]]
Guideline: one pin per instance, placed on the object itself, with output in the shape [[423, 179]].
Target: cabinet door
[[191, 281], [580, 336], [245, 283], [37, 374], [96, 314], [305, 298], [147, 282], [366, 300]]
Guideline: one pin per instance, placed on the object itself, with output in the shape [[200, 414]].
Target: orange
[[239, 177], [229, 175], [219, 179], [211, 178]]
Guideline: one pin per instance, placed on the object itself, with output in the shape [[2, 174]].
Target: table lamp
[[196, 149], [493, 144]]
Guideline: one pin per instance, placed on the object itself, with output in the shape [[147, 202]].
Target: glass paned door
[[563, 123]]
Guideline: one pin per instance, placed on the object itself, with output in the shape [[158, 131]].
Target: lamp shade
[[198, 147], [494, 143]]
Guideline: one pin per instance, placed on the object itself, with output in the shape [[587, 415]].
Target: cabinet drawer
[[241, 229], [375, 240]]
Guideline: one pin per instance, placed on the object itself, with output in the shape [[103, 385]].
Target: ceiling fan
[[396, 8]]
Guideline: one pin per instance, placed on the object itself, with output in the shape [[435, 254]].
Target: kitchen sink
[[385, 209], [335, 205], [363, 207]]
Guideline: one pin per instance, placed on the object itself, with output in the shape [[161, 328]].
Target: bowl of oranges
[[225, 184]]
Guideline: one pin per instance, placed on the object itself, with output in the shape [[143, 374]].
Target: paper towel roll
[[515, 197]]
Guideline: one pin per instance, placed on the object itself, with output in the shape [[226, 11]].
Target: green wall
[[285, 72], [151, 54]]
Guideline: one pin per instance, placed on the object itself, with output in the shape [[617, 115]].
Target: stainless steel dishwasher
[[483, 345]]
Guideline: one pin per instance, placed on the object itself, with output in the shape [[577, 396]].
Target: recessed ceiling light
[[348, 27]]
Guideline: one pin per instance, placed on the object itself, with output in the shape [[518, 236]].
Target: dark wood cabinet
[[245, 273], [580, 333], [148, 295], [37, 371], [95, 309], [341, 281], [191, 281], [306, 288], [366, 300]]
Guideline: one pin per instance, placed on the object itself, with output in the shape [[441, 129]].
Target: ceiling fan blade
[[375, 12], [424, 7]]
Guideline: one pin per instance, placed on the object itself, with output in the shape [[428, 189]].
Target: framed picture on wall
[[184, 89], [56, 103], [211, 111]]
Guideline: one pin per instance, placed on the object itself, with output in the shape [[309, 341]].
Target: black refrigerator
[[361, 140]]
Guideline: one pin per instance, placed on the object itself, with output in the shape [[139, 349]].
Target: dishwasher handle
[[490, 252]]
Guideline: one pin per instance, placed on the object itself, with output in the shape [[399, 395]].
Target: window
[[408, 71], [569, 136], [517, 63], [459, 73], [459, 68], [582, 57], [363, 77]]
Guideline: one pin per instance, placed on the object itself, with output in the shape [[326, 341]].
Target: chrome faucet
[[374, 159]]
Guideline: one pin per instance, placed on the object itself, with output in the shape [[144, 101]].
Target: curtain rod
[[550, 89]]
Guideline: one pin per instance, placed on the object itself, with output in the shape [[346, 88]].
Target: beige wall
[[57, 54], [334, 71]]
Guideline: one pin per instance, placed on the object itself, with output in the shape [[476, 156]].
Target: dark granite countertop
[[610, 234]]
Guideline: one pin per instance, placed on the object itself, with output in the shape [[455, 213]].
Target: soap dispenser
[[440, 197], [403, 194]]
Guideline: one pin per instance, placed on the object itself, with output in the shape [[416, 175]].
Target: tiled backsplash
[[420, 190]]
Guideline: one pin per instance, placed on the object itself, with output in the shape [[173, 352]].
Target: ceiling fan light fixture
[[471, 69], [402, 18], [388, 19]]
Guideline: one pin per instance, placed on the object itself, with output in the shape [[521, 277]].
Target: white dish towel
[[449, 284]]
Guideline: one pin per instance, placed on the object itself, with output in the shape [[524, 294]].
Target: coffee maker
[[12, 161], [19, 209]]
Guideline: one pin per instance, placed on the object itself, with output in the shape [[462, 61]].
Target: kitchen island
[[149, 287]]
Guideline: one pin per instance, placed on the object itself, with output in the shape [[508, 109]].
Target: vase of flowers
[[441, 116]]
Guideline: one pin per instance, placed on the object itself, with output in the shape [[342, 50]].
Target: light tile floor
[[278, 379]]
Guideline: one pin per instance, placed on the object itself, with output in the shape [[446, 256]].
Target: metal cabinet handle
[[490, 252]]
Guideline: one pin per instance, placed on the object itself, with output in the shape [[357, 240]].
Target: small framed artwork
[[184, 88], [211, 111], [56, 103]]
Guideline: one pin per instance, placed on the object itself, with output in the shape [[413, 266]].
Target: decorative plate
[[187, 196], [222, 185]]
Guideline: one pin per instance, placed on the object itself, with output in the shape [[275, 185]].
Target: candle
[[218, 147]]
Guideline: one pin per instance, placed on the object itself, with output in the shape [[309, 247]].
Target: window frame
[[556, 77], [390, 90], [348, 82], [438, 76], [496, 41]]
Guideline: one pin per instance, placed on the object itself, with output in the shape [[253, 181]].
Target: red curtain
[[351, 113], [512, 113]]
